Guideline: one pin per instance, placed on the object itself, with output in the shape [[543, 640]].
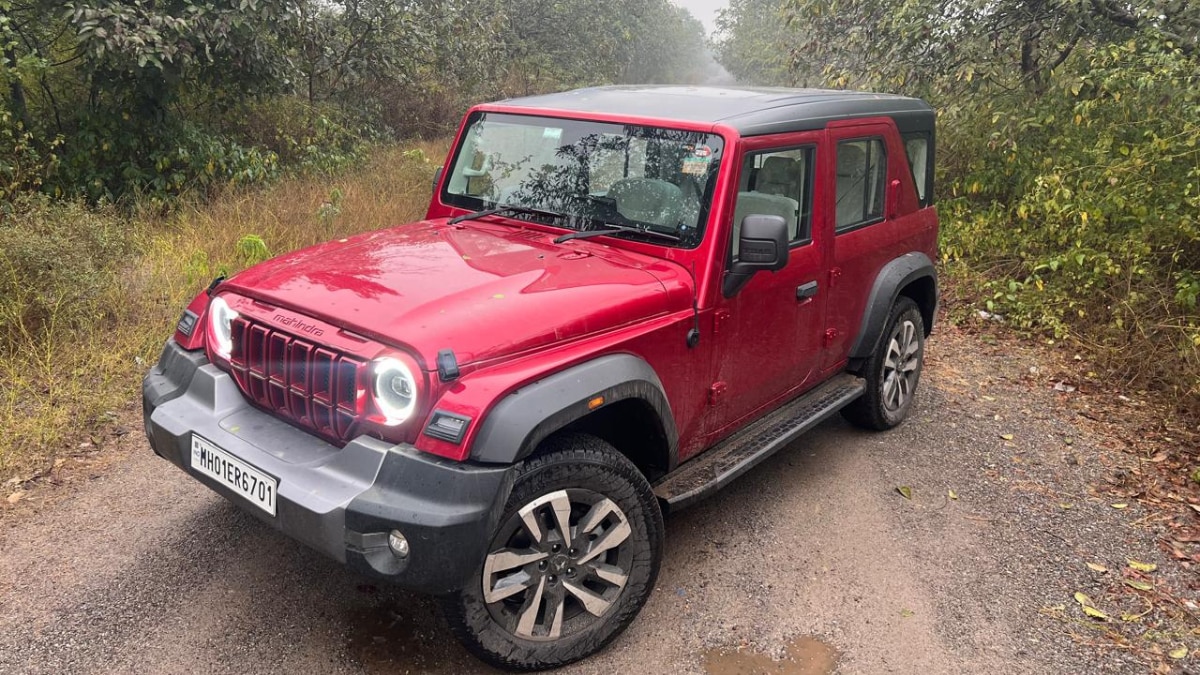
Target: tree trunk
[[16, 93]]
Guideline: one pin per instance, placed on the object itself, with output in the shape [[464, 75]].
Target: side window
[[916, 147], [861, 177], [777, 183]]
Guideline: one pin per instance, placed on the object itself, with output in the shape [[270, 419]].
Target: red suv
[[621, 299]]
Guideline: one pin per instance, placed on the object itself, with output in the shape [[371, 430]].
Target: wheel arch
[[635, 416], [911, 275]]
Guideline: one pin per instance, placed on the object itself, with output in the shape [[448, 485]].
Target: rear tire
[[574, 557], [893, 371]]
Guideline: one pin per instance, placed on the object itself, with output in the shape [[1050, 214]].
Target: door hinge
[[830, 335], [720, 317], [716, 392]]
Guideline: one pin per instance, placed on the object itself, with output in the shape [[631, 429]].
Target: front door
[[769, 334]]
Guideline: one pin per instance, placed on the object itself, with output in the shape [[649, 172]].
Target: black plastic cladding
[[527, 416]]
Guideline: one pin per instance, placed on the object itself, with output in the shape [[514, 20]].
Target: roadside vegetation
[[146, 148], [1068, 157], [89, 294]]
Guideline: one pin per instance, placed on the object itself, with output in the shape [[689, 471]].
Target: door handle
[[806, 291]]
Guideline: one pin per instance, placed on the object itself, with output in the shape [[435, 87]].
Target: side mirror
[[762, 245], [437, 178]]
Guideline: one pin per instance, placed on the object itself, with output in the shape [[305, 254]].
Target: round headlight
[[395, 390], [221, 317]]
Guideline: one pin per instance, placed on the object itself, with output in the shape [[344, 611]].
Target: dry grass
[[60, 385]]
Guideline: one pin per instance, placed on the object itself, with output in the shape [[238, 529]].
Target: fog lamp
[[398, 544]]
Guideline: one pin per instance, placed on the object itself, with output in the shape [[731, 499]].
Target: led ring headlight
[[395, 390], [221, 319]]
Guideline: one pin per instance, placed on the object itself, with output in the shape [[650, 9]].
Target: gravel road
[[813, 558]]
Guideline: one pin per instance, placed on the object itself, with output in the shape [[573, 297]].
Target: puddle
[[803, 656], [387, 639]]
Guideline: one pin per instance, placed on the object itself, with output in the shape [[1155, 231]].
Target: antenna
[[693, 335]]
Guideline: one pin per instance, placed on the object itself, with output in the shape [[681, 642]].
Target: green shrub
[[107, 159], [57, 265], [1079, 213], [322, 138]]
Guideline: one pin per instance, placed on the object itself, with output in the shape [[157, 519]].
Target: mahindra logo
[[298, 324]]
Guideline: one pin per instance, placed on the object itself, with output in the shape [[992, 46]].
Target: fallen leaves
[[952, 494], [1007, 437], [1089, 607], [16, 496], [1141, 566], [1138, 585], [1097, 567], [1178, 654], [905, 491], [1120, 505]]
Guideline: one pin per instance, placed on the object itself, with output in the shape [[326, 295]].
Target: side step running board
[[717, 466]]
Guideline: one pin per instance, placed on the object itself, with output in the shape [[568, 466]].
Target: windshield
[[591, 173]]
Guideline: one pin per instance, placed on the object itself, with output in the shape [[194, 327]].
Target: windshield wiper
[[613, 228], [507, 208]]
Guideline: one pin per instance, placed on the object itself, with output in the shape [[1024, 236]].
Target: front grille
[[305, 383]]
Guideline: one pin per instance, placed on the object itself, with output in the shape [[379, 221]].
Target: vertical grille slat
[[309, 385]]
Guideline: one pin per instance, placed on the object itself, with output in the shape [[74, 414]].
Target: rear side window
[[861, 176], [916, 147]]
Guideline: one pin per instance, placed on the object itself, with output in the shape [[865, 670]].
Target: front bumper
[[340, 501]]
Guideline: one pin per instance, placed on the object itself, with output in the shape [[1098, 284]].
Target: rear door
[[768, 334], [872, 202]]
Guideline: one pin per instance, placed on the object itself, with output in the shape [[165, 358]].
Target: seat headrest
[[851, 161], [779, 170]]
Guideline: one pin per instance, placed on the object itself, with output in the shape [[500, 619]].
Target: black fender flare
[[526, 416], [891, 279]]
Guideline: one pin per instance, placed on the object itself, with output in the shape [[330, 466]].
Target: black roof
[[751, 110]]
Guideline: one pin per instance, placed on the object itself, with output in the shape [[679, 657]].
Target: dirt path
[[143, 570]]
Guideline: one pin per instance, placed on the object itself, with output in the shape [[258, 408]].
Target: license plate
[[257, 487]]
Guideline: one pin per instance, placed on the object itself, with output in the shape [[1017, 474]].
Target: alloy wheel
[[900, 365], [558, 565]]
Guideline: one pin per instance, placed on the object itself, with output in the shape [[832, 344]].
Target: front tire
[[574, 557], [893, 371]]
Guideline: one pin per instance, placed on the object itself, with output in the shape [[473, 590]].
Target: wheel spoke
[[507, 559], [893, 354], [609, 573], [532, 525], [889, 389], [595, 515], [611, 538], [555, 600], [593, 603], [509, 586], [561, 505], [503, 561], [529, 611]]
